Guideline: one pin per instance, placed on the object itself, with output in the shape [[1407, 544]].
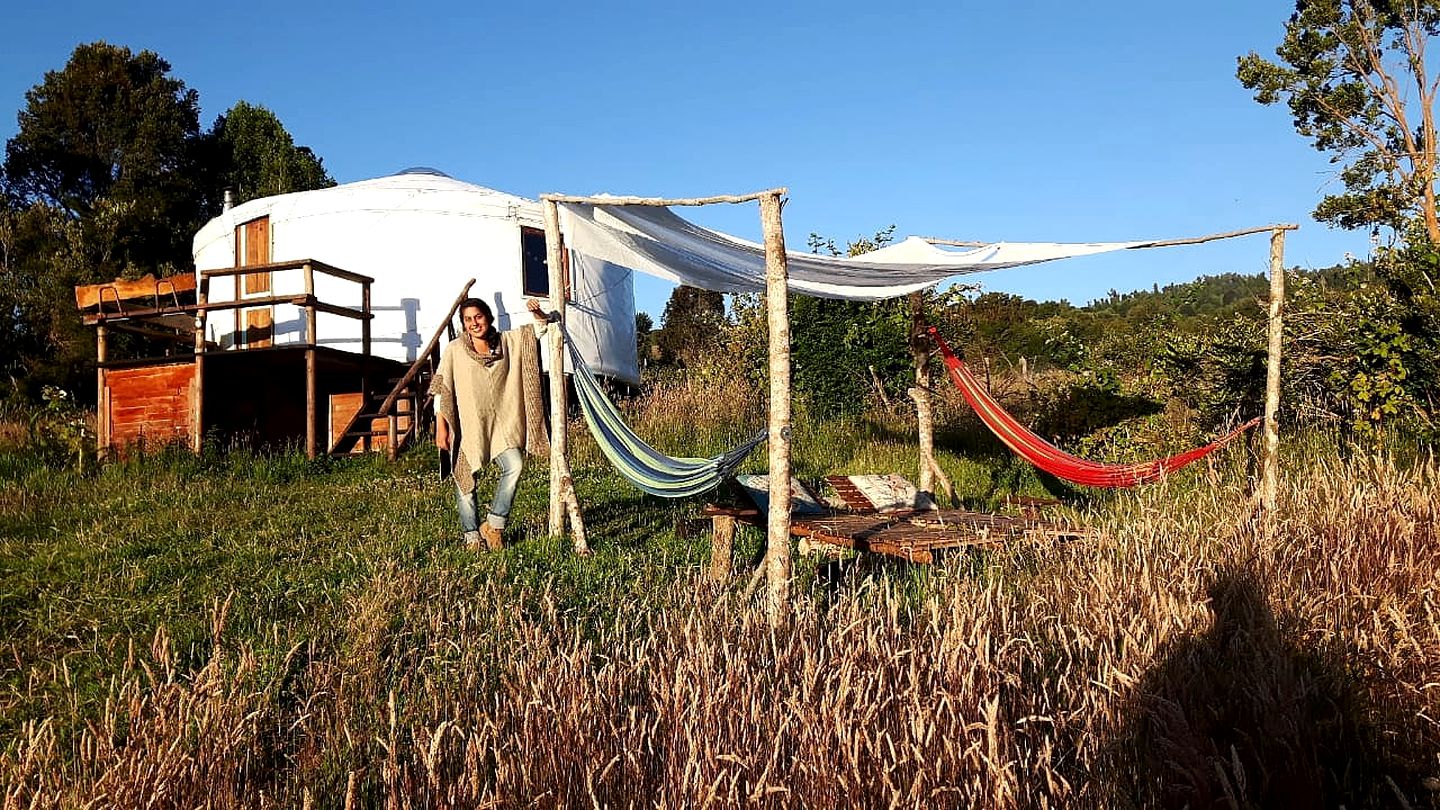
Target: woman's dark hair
[[476, 303]]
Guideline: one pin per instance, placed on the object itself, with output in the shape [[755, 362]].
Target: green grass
[[92, 562], [330, 597]]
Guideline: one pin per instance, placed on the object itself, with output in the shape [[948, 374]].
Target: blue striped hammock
[[639, 463]]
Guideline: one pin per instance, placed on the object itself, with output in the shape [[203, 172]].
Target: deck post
[[197, 404], [102, 414], [777, 536], [365, 340], [310, 406], [1270, 467]]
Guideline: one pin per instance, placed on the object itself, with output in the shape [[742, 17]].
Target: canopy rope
[[1052, 459], [639, 463]]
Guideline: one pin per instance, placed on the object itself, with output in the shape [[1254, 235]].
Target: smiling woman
[[487, 393]]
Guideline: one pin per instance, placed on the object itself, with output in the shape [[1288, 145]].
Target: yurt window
[[533, 264]]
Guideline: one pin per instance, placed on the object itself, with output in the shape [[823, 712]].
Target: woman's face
[[475, 321]]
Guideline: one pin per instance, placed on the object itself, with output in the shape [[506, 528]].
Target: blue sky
[[1024, 121]]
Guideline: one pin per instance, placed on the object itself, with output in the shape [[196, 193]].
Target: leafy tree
[[835, 344], [101, 180], [691, 325], [644, 329], [1353, 73], [252, 154], [113, 128]]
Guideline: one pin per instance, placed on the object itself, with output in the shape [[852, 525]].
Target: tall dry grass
[[1186, 658]]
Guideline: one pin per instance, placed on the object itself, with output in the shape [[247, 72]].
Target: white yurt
[[421, 235]]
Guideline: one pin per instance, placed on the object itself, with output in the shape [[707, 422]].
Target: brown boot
[[492, 537]]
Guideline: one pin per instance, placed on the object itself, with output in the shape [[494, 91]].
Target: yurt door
[[254, 327]]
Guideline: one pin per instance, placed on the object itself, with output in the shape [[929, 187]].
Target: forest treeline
[[1356, 355]]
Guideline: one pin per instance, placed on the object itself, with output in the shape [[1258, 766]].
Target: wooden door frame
[[243, 250]]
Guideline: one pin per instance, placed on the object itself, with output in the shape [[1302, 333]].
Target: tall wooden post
[[563, 500], [553, 250], [931, 475], [777, 537], [310, 405], [1270, 469]]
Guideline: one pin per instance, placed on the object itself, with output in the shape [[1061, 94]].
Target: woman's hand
[[533, 304], [442, 434]]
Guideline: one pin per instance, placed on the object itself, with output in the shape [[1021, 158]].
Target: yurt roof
[[415, 189]]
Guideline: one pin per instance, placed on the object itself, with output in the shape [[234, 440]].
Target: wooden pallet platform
[[915, 536]]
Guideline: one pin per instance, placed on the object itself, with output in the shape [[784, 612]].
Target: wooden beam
[[89, 295], [662, 201], [292, 264], [158, 334], [777, 535], [1270, 466], [220, 306], [1194, 240]]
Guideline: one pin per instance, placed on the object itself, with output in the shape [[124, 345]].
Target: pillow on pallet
[[802, 500]]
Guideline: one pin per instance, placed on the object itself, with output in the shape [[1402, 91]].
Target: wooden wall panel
[[150, 404]]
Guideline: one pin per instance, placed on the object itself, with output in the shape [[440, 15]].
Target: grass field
[[263, 631]]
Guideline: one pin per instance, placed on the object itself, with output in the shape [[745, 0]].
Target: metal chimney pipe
[[229, 200]]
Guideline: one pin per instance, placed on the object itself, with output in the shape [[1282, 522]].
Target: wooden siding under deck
[[150, 404], [344, 407]]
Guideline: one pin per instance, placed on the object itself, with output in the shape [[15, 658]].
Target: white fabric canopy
[[654, 240]]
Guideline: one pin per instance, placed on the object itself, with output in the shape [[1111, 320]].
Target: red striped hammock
[[1052, 459]]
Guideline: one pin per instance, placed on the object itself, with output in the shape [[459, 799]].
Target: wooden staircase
[[402, 415]]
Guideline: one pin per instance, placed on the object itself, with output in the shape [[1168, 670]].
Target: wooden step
[[360, 434]]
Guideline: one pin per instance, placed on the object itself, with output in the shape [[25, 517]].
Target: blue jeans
[[510, 462]]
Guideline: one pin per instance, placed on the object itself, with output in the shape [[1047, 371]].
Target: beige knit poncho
[[491, 402]]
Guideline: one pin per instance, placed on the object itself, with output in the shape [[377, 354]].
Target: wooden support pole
[[102, 413], [563, 500], [392, 435], [1270, 468], [930, 472], [924, 426], [310, 395], [777, 536], [365, 337], [556, 360], [197, 404], [365, 307]]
